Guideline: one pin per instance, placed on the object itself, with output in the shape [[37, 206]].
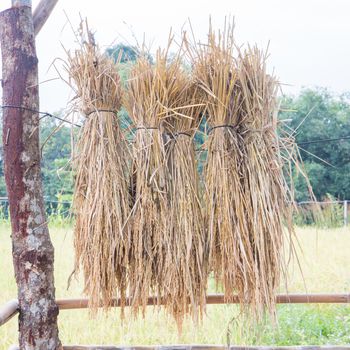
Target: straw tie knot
[[146, 128], [227, 126], [100, 110], [261, 133], [175, 135]]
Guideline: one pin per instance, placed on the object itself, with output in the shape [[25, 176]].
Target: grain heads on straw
[[247, 198], [141, 229], [101, 201], [167, 238]]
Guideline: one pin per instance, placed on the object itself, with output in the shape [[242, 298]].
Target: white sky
[[309, 39]]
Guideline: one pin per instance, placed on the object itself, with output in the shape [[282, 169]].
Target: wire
[[44, 114], [221, 126], [102, 110], [324, 140]]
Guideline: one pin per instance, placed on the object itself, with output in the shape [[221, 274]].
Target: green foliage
[[300, 325], [332, 213], [328, 215], [123, 53], [59, 214], [56, 151], [56, 172], [317, 115], [309, 325], [127, 54], [4, 216]]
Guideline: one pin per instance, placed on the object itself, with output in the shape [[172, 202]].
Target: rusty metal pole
[[345, 213], [33, 253]]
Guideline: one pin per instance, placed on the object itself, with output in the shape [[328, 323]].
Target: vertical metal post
[[345, 213]]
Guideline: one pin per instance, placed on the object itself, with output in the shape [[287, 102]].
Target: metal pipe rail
[[10, 309], [218, 299], [199, 347]]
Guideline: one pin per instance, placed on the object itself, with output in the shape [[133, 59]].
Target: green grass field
[[325, 261]]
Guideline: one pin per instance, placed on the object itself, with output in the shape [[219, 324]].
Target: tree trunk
[[33, 253]]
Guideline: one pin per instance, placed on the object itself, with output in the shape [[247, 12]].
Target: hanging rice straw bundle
[[101, 200], [185, 228], [247, 196], [229, 256], [148, 185], [267, 195], [167, 237]]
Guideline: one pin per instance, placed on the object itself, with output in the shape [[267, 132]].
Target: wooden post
[[42, 13], [345, 213], [33, 253]]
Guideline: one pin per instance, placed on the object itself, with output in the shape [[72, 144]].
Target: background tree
[[319, 115], [56, 153], [123, 53]]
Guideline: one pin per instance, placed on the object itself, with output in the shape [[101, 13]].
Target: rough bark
[[33, 253]]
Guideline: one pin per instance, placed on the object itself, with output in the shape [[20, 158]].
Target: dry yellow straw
[[267, 196], [247, 197], [168, 238], [187, 270], [148, 186], [142, 232], [101, 200]]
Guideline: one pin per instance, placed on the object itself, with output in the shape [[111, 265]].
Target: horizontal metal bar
[[321, 203], [200, 347], [216, 299], [205, 347], [11, 308]]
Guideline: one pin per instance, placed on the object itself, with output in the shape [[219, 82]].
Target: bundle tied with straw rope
[[167, 237], [267, 193], [186, 231], [247, 197], [101, 200], [148, 186]]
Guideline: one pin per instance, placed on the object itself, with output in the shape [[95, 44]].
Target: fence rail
[[10, 309], [199, 347]]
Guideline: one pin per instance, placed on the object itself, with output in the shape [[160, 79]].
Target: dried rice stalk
[[101, 199], [167, 247], [187, 283], [148, 186], [247, 196], [267, 194]]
